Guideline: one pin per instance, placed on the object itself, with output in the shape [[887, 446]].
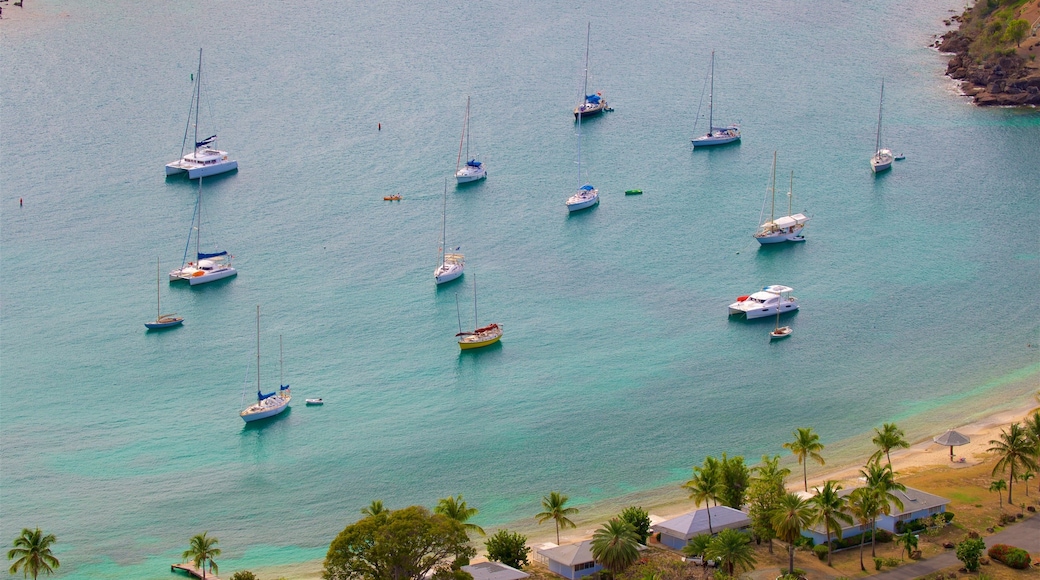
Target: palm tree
[[864, 505], [457, 510], [731, 548], [887, 438], [374, 509], [697, 546], [203, 549], [1015, 451], [998, 486], [705, 486], [554, 510], [791, 516], [829, 510], [880, 480], [767, 487], [615, 545], [907, 543], [32, 553], [1033, 430], [1024, 478], [806, 445]]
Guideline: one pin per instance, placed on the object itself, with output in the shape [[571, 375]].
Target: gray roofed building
[[676, 532], [571, 560], [494, 571], [917, 504]]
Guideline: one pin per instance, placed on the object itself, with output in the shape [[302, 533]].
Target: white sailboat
[[786, 228], [205, 159], [882, 158], [715, 135], [207, 267], [270, 404], [587, 196], [482, 335], [161, 320], [779, 331], [473, 169], [452, 263], [591, 105]]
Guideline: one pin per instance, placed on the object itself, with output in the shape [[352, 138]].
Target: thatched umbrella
[[952, 438]]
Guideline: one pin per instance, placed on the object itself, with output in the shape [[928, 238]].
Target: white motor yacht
[[766, 302]]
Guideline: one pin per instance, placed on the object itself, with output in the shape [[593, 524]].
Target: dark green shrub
[[878, 563], [508, 548], [970, 552], [243, 575], [892, 562], [948, 516], [883, 536], [821, 551], [639, 520], [804, 543]]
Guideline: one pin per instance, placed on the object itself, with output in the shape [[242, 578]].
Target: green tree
[[907, 543], [243, 575], [887, 438], [736, 478], [704, 486], [864, 506], [553, 504], [697, 546], [880, 480], [615, 545], [32, 554], [374, 509], [1032, 427], [791, 516], [998, 485], [202, 549], [806, 445], [970, 552], [829, 511], [1017, 30], [508, 548], [639, 520], [731, 549], [767, 487], [404, 544], [1015, 452], [1024, 478], [456, 509]]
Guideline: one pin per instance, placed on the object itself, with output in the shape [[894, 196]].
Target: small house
[[676, 532], [494, 571]]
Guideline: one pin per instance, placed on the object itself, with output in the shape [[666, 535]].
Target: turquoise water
[[619, 368]]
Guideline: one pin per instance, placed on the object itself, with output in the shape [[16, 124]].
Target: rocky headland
[[995, 50]]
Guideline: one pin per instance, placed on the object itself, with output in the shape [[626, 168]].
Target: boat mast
[[198, 229], [772, 190], [444, 221], [281, 376], [458, 312], [476, 325], [585, 87], [711, 92], [877, 146], [790, 193], [579, 151], [258, 391], [198, 93], [465, 127], [158, 279]]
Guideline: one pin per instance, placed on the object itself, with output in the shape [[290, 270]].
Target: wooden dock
[[191, 570]]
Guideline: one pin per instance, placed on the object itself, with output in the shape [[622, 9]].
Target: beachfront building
[[494, 571], [916, 505], [676, 532], [570, 560]]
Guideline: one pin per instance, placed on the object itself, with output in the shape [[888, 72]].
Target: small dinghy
[[634, 192], [780, 332], [899, 157], [394, 197], [315, 401]]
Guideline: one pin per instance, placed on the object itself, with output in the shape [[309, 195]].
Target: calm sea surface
[[619, 368]]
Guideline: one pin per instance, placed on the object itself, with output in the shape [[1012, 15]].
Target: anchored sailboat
[[270, 404], [787, 228], [882, 158], [473, 169], [205, 159], [452, 263], [715, 135]]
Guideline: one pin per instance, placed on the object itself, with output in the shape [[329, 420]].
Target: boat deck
[[191, 570]]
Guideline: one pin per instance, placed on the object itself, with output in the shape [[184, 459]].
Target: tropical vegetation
[[705, 486], [970, 553], [880, 481], [886, 439], [554, 506], [404, 544], [639, 519], [828, 510], [806, 445], [615, 545], [456, 509], [202, 549], [731, 549], [509, 548], [767, 487], [374, 509], [32, 554], [790, 517], [1015, 452]]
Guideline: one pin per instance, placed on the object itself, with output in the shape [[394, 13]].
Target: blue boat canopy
[[205, 141], [260, 396], [594, 99], [587, 187], [203, 256], [285, 387], [473, 163]]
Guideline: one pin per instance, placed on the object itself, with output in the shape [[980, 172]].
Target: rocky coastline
[[1008, 79]]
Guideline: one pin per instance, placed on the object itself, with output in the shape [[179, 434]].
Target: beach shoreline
[[842, 466]]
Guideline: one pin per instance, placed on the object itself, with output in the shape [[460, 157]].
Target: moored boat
[[205, 159], [786, 228], [715, 135], [768, 301], [270, 404]]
